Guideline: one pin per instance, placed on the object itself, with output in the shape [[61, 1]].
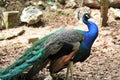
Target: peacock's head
[[86, 16]]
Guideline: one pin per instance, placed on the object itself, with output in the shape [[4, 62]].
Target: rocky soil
[[104, 62]]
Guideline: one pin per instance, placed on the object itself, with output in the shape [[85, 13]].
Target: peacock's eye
[[87, 16]]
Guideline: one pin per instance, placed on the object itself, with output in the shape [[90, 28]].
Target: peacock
[[61, 49]]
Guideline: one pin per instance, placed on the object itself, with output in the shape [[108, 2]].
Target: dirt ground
[[104, 62]]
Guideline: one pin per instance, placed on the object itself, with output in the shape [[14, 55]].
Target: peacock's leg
[[49, 77], [54, 76], [69, 69], [70, 64], [67, 73]]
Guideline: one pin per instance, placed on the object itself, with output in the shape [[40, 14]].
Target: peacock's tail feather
[[31, 58]]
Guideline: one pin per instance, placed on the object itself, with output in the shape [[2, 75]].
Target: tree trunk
[[104, 11]]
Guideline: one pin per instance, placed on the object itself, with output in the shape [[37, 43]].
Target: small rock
[[10, 18], [91, 3], [115, 3], [61, 1], [65, 11], [8, 36], [115, 12], [31, 15], [38, 4], [32, 40], [53, 7], [70, 4], [95, 4]]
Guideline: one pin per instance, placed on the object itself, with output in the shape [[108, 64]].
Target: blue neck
[[91, 34]]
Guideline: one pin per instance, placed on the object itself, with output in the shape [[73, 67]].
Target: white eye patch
[[87, 16]]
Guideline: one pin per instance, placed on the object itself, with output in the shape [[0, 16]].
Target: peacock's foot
[[49, 77], [58, 78], [53, 77]]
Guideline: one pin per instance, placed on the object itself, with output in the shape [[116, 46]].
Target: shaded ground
[[104, 62]]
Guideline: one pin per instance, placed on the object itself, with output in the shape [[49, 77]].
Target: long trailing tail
[[32, 55], [14, 70]]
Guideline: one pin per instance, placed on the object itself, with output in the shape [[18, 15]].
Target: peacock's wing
[[68, 36], [61, 45]]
